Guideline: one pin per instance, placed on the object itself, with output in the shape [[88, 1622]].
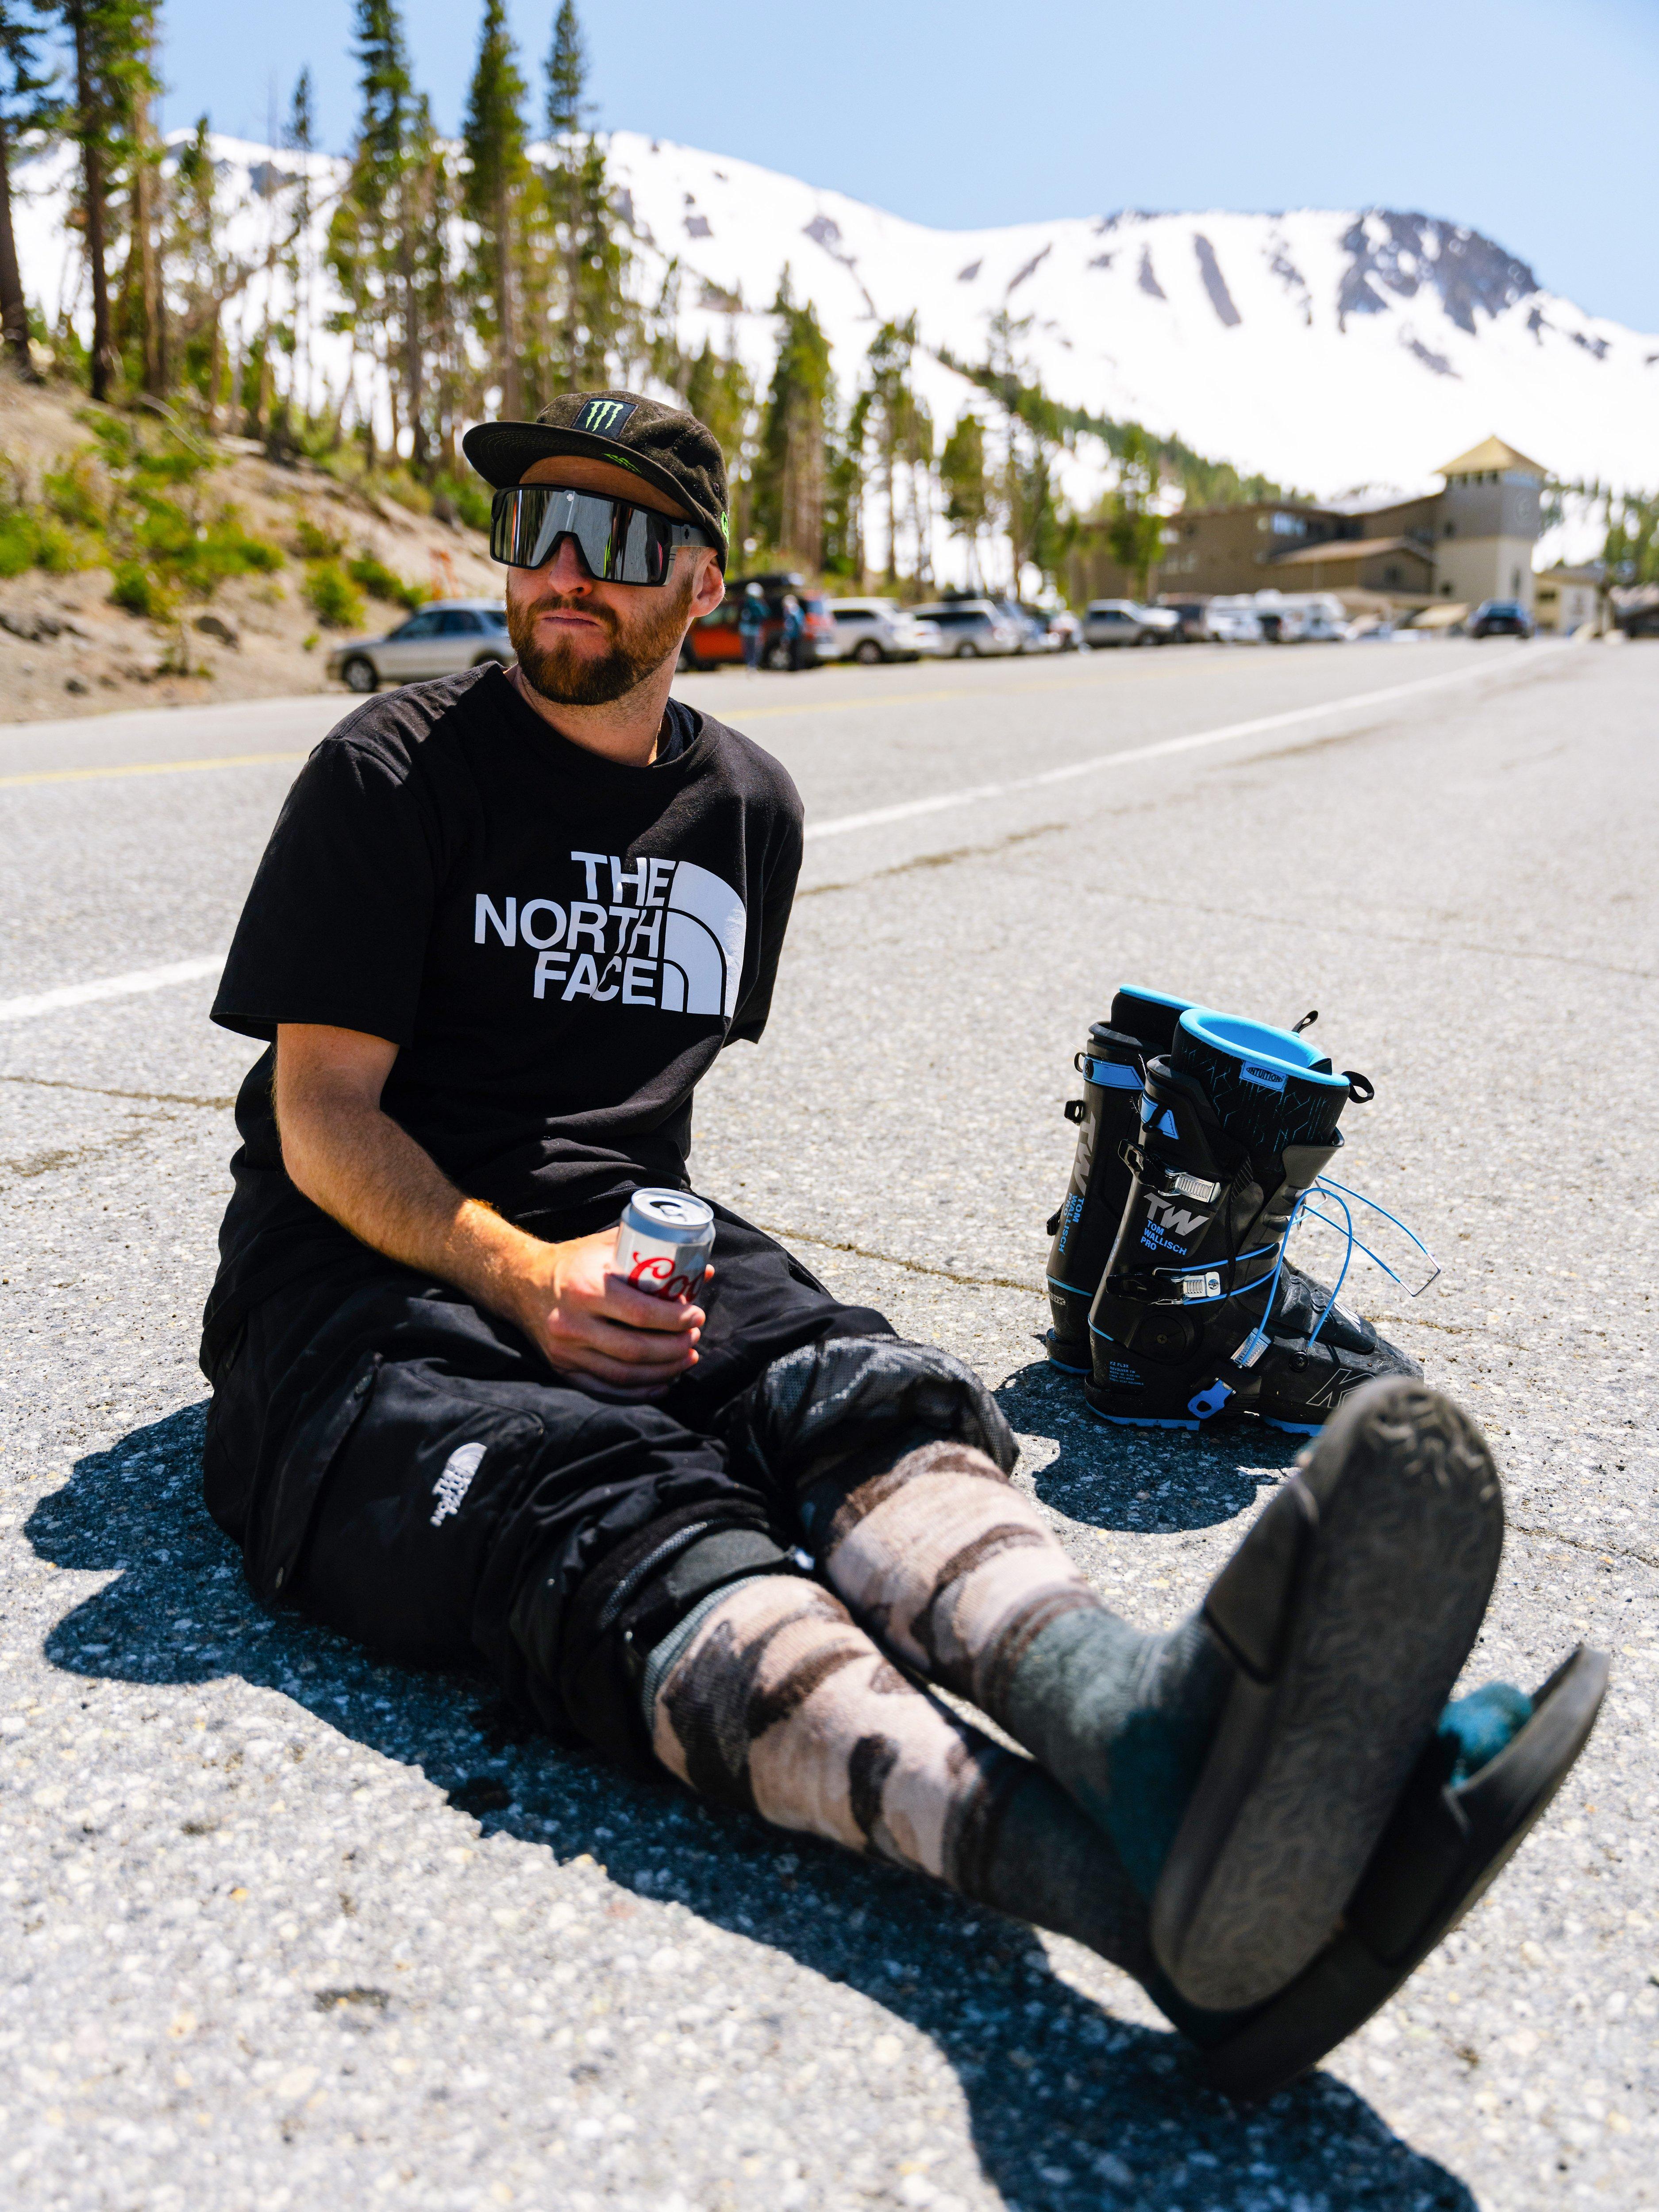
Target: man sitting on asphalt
[[504, 923]]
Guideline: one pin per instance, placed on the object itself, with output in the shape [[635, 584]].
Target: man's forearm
[[391, 1193]]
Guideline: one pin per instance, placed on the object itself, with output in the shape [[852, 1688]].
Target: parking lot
[[282, 1922]]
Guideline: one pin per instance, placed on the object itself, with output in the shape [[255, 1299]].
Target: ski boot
[[1141, 1024], [1238, 1122], [1107, 1116]]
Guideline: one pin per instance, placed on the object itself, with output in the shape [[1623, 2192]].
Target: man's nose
[[565, 572]]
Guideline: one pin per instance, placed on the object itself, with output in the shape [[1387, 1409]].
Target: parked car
[[974, 630], [713, 641], [1312, 618], [1043, 626], [438, 639], [1235, 621], [1123, 622], [1500, 619], [1192, 616], [877, 630]]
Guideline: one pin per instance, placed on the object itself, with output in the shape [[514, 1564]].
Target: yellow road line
[[1033, 693], [148, 768]]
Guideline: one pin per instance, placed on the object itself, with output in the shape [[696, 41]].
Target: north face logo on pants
[[453, 1485]]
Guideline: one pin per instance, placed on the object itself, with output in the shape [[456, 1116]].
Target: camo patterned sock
[[769, 1698], [955, 1572]]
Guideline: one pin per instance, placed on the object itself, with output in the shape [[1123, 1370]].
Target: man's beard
[[572, 679]]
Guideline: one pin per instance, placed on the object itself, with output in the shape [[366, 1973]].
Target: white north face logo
[[453, 1485], [654, 933]]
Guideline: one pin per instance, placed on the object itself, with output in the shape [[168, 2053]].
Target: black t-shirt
[[558, 945]]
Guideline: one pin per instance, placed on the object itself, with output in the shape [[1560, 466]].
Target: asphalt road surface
[[284, 1926]]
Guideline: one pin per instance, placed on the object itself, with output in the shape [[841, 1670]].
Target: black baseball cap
[[668, 447]]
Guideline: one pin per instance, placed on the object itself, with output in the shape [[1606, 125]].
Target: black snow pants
[[409, 1471]]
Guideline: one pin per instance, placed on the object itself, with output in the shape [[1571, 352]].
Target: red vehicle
[[713, 641]]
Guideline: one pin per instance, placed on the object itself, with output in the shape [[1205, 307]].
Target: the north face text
[[645, 931]]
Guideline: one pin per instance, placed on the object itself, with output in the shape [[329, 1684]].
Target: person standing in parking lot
[[794, 629], [750, 626]]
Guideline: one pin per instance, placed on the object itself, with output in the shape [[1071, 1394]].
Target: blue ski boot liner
[[1238, 1122]]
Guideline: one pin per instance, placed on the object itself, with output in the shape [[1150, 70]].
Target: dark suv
[[714, 640], [1500, 619]]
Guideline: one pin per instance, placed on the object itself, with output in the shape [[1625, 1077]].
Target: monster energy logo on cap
[[607, 417]]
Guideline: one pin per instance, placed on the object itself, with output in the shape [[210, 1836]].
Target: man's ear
[[710, 586]]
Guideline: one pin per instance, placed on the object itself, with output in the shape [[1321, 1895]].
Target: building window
[[1391, 574]]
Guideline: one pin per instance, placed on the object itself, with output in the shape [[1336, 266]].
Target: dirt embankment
[[66, 648]]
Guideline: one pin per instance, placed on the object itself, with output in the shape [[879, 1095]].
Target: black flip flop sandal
[[1347, 1613], [1443, 1849]]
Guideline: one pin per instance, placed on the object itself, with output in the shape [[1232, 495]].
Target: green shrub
[[140, 591], [79, 491], [373, 575], [333, 597], [468, 496], [315, 543], [16, 543], [399, 484], [225, 549], [60, 552]]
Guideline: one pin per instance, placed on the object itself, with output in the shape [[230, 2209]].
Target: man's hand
[[353, 1160], [588, 1322]]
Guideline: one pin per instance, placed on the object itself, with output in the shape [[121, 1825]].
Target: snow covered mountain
[[1331, 349], [1326, 349]]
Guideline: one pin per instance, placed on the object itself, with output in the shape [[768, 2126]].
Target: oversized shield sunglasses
[[618, 544]]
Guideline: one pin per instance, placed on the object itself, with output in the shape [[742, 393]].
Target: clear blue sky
[[1535, 123]]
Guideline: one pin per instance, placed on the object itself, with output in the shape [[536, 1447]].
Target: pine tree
[[790, 470], [567, 75], [967, 492], [203, 273], [888, 365], [1134, 530], [300, 137], [494, 137], [28, 103], [375, 245], [93, 126], [130, 32]]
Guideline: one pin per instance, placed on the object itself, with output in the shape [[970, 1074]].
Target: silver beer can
[[664, 1241]]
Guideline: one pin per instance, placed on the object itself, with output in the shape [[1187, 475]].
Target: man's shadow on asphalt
[[1069, 2105], [1141, 1481]]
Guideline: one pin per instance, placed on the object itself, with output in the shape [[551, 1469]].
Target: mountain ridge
[[1326, 348]]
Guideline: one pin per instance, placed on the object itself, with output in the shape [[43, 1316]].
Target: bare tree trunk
[[104, 367], [13, 308], [887, 445], [506, 317], [215, 368], [143, 247]]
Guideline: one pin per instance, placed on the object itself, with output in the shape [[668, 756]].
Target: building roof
[[1351, 548], [1491, 454]]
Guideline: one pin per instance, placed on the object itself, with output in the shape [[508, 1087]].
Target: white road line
[[189, 971], [973, 794], [110, 987]]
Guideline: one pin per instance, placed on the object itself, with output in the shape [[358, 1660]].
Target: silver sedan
[[440, 639]]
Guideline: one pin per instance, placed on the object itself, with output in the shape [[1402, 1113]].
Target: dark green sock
[[1121, 1719]]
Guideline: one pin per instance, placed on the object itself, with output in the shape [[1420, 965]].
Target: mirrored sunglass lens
[[530, 520], [641, 551]]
